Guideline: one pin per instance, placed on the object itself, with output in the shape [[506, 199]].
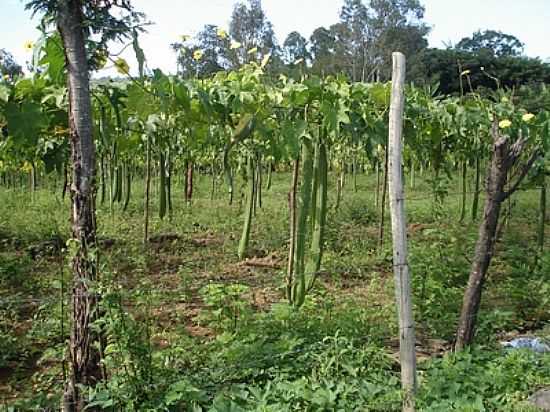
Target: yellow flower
[[184, 37], [527, 117], [252, 50], [27, 167], [60, 130], [300, 60], [465, 72], [6, 77], [197, 55], [101, 59], [503, 124], [265, 60], [122, 66], [222, 34], [235, 45], [28, 46]]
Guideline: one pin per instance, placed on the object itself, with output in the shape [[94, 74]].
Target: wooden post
[[407, 354]]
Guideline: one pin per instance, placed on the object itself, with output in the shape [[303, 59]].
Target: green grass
[[190, 326]]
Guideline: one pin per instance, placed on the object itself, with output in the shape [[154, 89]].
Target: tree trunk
[[483, 254], [503, 159], [84, 341]]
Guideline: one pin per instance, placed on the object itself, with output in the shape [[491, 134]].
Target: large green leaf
[[141, 102], [292, 132], [380, 94], [25, 122], [54, 59]]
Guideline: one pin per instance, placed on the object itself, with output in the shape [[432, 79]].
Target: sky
[[450, 20]]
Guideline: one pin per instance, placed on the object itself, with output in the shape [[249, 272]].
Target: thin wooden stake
[[147, 191], [399, 236]]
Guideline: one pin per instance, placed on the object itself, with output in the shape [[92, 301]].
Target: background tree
[[295, 47], [322, 48], [481, 70], [8, 65], [295, 55], [395, 25], [250, 29], [355, 36], [361, 43], [206, 55], [494, 42]]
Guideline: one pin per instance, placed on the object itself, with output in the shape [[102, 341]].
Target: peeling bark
[[84, 354]]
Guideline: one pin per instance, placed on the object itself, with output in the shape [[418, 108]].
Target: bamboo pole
[[399, 237]]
